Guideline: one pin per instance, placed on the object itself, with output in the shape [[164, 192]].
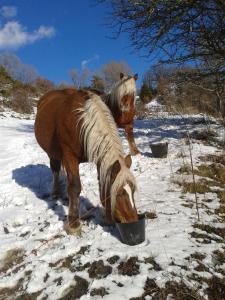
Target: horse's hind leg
[[74, 188], [130, 137], [55, 167]]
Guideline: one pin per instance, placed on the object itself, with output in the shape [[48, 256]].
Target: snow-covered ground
[[45, 262]]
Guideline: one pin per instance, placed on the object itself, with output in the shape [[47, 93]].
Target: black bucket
[[159, 150], [132, 233]]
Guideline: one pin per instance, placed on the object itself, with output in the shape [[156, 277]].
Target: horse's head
[[123, 192], [128, 90]]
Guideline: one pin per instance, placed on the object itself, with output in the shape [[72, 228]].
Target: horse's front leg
[[72, 226], [130, 137]]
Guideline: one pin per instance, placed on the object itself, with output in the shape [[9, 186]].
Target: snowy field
[[38, 260]]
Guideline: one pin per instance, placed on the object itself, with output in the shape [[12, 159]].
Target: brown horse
[[121, 102], [74, 126]]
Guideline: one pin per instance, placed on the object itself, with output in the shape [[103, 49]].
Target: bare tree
[[79, 79], [43, 85], [64, 85], [177, 32], [111, 71], [182, 29], [16, 69], [177, 89]]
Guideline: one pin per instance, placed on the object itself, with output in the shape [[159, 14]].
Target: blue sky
[[55, 36]]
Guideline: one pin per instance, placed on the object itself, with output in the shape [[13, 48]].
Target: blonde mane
[[102, 145], [126, 86]]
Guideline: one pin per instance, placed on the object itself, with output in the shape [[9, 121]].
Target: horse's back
[[54, 120]]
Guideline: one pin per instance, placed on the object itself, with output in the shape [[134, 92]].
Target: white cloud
[[14, 35], [8, 11], [85, 62]]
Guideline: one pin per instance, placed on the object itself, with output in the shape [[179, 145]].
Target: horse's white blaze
[[129, 192]]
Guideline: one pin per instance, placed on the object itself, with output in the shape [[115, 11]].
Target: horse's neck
[[105, 193]]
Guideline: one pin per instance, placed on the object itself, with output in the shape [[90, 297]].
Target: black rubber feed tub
[[132, 233], [159, 150]]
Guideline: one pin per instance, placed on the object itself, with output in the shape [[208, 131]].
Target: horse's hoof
[[72, 230]]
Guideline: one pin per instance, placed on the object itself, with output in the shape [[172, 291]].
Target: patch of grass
[[201, 268], [83, 250], [27, 296], [219, 257], [198, 256], [211, 230], [221, 209], [99, 292], [76, 291], [201, 186], [113, 259], [17, 292], [205, 237], [216, 289], [150, 215], [213, 171], [99, 270], [149, 289], [185, 169], [58, 281], [172, 290], [129, 267], [7, 293], [220, 159], [68, 262], [172, 263], [151, 260], [188, 205], [81, 267], [13, 257]]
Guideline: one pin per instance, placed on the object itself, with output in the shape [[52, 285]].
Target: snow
[[30, 220]]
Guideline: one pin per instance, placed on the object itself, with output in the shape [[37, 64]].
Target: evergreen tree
[[145, 93], [98, 83]]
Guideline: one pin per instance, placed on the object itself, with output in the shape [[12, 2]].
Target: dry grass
[[172, 290], [211, 230], [13, 257], [220, 159], [150, 215], [201, 186], [213, 178], [197, 256]]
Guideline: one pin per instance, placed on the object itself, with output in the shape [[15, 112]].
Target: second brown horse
[[121, 102]]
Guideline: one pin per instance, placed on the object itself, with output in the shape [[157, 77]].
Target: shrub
[[20, 101]]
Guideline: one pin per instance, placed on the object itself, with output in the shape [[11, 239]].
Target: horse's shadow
[[38, 179]]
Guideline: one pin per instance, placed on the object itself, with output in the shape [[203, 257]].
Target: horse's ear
[[128, 161], [136, 76], [115, 170], [121, 75]]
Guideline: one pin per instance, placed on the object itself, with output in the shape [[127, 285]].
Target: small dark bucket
[[159, 150], [132, 233]]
